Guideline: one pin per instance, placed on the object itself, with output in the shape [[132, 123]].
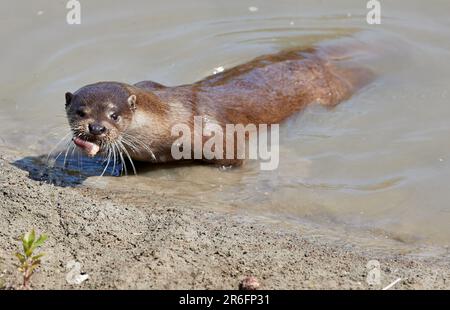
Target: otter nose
[[96, 129]]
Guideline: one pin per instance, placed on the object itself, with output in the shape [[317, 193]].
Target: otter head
[[99, 113]]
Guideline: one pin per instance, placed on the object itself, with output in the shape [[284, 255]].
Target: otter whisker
[[134, 146], [128, 155], [73, 150], [60, 153], [133, 141], [130, 145], [63, 139], [78, 161], [67, 152], [114, 158], [109, 159], [124, 166], [147, 147]]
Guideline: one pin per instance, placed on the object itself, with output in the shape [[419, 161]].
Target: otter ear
[[69, 97], [132, 102]]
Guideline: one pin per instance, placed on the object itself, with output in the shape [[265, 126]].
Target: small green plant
[[28, 261]]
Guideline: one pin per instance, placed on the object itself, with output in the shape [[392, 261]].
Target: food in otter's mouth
[[90, 148]]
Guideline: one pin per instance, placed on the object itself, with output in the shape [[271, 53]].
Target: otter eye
[[114, 117], [81, 113]]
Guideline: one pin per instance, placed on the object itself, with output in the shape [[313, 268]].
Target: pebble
[[250, 283], [74, 276]]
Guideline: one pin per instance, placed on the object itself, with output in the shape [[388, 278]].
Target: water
[[380, 162]]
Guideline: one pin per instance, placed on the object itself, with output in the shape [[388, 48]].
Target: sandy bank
[[160, 243]]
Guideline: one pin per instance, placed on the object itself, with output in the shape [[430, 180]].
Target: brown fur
[[265, 90]]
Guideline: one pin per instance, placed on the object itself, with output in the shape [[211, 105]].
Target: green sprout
[[28, 261]]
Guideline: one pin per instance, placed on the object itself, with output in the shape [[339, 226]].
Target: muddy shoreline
[[159, 243]]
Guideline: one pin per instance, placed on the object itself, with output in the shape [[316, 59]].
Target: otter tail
[[353, 62], [358, 57]]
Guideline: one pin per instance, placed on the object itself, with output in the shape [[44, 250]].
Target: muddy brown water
[[380, 162]]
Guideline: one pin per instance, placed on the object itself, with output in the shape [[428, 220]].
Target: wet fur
[[265, 90]]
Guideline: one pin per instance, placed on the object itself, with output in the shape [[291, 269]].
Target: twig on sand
[[392, 284]]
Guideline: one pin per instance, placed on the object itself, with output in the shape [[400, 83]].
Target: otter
[[135, 121]]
